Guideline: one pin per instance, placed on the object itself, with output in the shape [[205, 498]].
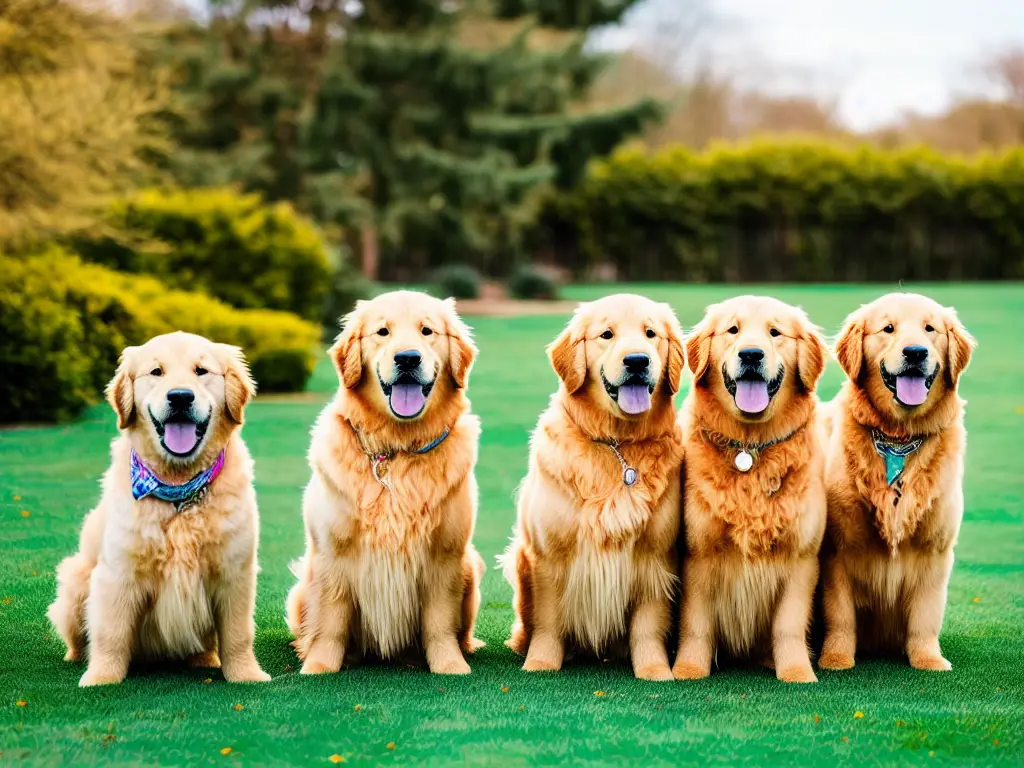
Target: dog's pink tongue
[[634, 398], [180, 436], [407, 399], [751, 395], [911, 390]]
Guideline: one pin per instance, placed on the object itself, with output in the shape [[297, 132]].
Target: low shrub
[[459, 281], [775, 211], [65, 323], [529, 282], [231, 246]]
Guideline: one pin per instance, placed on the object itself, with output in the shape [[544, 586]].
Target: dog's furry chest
[[177, 559], [387, 591]]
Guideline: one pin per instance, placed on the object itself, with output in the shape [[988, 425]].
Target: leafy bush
[[529, 282], [792, 211], [231, 246], [65, 324], [459, 281]]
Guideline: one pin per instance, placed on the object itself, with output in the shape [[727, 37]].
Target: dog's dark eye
[[607, 334], [774, 332], [383, 332], [929, 328], [650, 333], [889, 328], [200, 371], [426, 331], [157, 372], [735, 329]]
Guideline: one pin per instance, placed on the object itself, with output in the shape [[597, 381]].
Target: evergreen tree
[[442, 119]]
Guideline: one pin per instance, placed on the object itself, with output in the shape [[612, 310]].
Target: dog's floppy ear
[[849, 349], [121, 390], [698, 349], [568, 355], [239, 388], [347, 352], [676, 352], [959, 347], [461, 349], [811, 353]]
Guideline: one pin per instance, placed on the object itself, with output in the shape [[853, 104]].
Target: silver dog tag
[[744, 461], [630, 476]]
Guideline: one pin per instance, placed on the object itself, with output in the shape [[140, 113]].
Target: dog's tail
[[295, 604]]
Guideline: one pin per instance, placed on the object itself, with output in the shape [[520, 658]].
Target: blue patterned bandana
[[894, 452], [146, 483]]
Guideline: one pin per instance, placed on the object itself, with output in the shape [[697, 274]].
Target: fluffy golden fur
[[390, 570], [592, 560], [889, 549], [750, 561], [149, 581]]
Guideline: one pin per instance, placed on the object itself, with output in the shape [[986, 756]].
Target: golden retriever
[[167, 569], [894, 477], [593, 550], [390, 507], [754, 488]]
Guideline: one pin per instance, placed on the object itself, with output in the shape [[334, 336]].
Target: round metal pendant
[[630, 476], [744, 461]]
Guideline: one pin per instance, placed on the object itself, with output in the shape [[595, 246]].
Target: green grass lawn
[[880, 712]]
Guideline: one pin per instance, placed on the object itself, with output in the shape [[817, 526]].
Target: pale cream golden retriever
[[592, 560], [754, 488], [894, 476], [166, 566], [390, 507]]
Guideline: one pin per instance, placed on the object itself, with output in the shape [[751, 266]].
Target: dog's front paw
[[835, 660], [247, 672], [99, 677], [315, 667], [930, 661], [654, 673], [453, 666], [800, 673], [473, 644], [537, 664], [685, 670]]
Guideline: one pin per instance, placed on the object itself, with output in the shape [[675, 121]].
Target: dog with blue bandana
[[894, 478], [166, 566]]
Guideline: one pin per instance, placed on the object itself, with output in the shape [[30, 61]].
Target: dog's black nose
[[636, 363], [915, 353], [407, 360], [180, 399], [751, 355]]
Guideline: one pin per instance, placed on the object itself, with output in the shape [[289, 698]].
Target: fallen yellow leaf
[[504, 689], [208, 680], [21, 703], [336, 759], [25, 513], [239, 707], [858, 715], [17, 498], [976, 600], [391, 745], [357, 707], [226, 751], [599, 693]]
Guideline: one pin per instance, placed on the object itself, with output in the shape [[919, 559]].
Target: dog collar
[[146, 483], [378, 460], [894, 452], [747, 454]]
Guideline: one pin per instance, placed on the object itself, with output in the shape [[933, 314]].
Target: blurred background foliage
[[250, 168]]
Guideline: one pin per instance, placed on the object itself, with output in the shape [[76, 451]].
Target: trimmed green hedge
[[231, 246], [792, 211], [64, 324]]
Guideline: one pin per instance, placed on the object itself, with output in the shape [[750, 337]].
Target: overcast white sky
[[877, 57]]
